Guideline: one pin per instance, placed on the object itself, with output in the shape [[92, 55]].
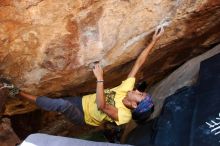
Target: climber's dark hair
[[141, 86]]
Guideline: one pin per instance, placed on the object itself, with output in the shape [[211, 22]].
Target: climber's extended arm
[[110, 110], [144, 54]]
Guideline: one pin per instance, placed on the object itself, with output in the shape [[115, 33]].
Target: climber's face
[[133, 98]]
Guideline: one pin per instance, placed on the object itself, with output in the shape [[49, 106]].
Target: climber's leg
[[6, 84], [72, 110]]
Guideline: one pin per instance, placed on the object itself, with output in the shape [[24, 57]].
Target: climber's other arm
[[110, 110]]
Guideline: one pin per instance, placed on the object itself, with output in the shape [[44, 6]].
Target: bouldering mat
[[206, 119], [40, 139]]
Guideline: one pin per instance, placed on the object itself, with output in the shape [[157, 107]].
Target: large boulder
[[185, 75], [47, 47]]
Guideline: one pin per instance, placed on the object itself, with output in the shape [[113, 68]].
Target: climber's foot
[[6, 84]]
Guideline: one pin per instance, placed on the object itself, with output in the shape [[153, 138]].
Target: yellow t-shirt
[[114, 96]]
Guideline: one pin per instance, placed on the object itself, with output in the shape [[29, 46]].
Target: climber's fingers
[[92, 64], [158, 32], [96, 63]]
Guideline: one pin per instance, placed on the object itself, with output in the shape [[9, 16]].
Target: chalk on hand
[[164, 23], [92, 65]]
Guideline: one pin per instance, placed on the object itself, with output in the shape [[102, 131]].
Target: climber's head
[[133, 98], [139, 102]]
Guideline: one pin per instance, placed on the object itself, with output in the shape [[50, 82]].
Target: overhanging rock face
[[47, 47]]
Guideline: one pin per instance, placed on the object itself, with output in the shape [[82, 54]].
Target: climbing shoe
[[6, 84]]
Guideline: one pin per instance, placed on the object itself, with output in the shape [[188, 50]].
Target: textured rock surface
[[47, 47], [7, 134]]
